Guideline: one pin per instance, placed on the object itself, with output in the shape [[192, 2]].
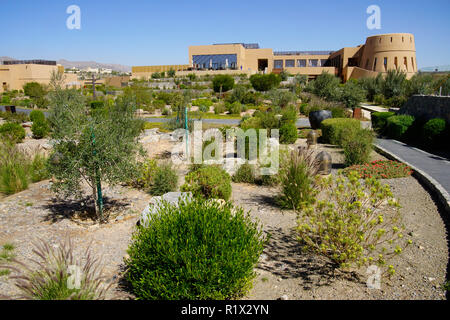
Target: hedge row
[[332, 129]]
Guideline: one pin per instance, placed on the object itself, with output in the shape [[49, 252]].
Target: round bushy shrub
[[36, 115], [13, 132], [245, 174], [208, 182], [40, 128], [223, 83], [159, 104], [165, 180], [398, 125], [197, 251], [332, 129], [288, 133], [433, 130], [379, 120], [234, 108]]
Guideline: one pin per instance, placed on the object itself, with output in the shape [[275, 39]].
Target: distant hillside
[[439, 69], [84, 64]]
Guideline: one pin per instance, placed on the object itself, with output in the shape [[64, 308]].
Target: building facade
[[379, 54], [15, 74]]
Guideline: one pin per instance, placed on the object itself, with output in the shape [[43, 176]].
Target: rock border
[[430, 182]]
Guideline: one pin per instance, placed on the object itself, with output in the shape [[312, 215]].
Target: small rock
[[431, 279], [284, 297]]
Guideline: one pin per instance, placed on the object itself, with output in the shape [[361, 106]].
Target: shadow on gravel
[[286, 260], [80, 209]]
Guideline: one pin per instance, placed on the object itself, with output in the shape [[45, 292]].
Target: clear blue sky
[[150, 32]]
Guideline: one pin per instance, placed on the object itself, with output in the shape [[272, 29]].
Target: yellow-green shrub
[[357, 223], [332, 129]]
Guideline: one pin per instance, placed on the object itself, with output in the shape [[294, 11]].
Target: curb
[[422, 176]]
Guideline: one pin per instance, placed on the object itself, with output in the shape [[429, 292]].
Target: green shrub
[[38, 169], [200, 250], [433, 130], [265, 82], [288, 133], [97, 105], [208, 182], [378, 99], [357, 144], [40, 128], [398, 125], [202, 102], [379, 120], [245, 174], [296, 177], [289, 115], [156, 178], [234, 108], [36, 115], [159, 104], [13, 132], [396, 102], [250, 123], [222, 83], [219, 108], [165, 180], [332, 129], [358, 223]]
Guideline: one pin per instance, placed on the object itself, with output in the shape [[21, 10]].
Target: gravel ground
[[286, 273], [283, 270]]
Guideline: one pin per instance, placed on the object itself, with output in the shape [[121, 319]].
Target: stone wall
[[427, 107]]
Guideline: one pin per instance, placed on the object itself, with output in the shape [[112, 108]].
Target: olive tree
[[91, 146]]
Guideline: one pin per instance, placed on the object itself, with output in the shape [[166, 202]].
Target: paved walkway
[[436, 167]]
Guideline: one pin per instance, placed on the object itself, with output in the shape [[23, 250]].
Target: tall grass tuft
[[18, 169], [58, 275]]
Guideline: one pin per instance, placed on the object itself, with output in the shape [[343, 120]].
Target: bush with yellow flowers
[[357, 223]]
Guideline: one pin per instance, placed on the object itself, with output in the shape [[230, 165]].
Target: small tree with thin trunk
[[92, 146]]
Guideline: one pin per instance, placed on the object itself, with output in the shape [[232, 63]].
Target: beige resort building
[[379, 54], [14, 74]]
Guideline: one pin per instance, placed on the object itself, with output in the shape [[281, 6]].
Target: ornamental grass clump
[[381, 169], [297, 178], [357, 223], [198, 250], [58, 275]]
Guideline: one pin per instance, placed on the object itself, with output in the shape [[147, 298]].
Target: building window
[[385, 63], [323, 62], [301, 63], [289, 63], [313, 62], [278, 64], [375, 64], [412, 63], [405, 62], [215, 61], [396, 62]]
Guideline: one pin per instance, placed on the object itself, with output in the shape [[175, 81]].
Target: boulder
[[156, 202]]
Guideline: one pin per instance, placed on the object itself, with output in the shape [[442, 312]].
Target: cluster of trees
[[392, 90]]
